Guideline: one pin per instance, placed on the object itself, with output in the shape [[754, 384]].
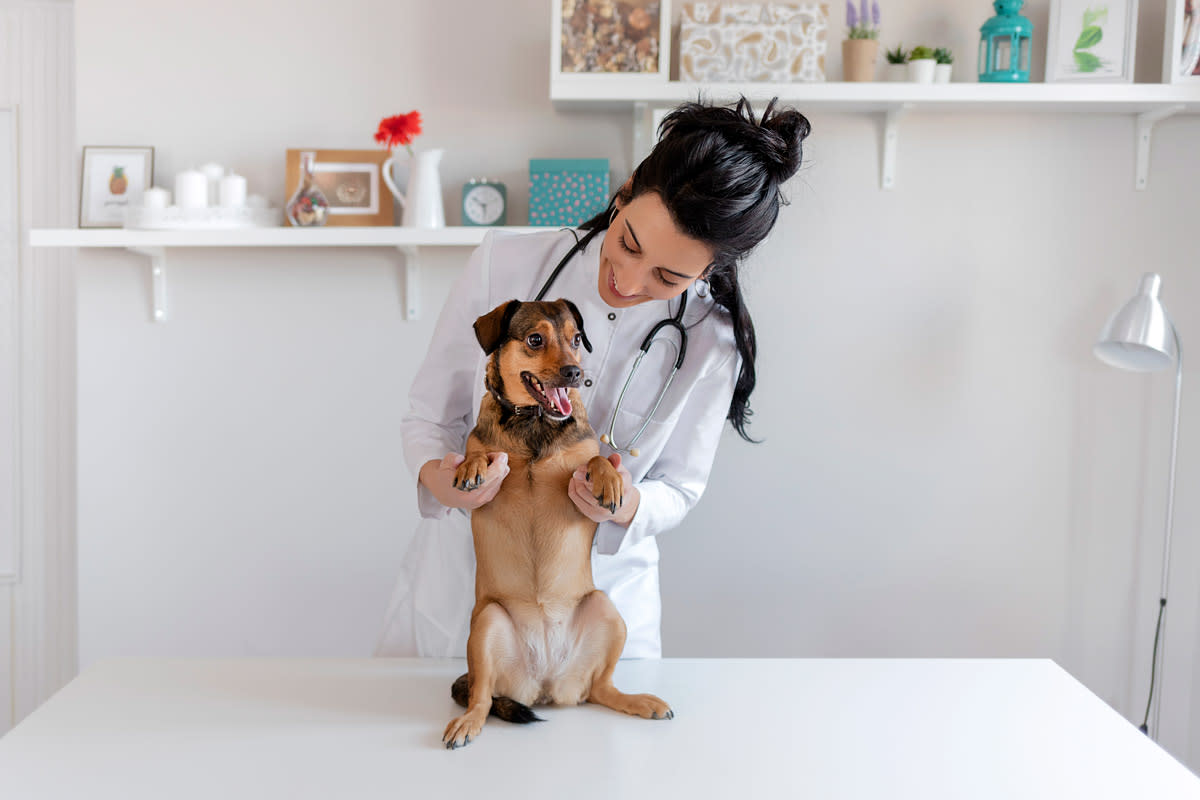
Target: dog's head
[[535, 352]]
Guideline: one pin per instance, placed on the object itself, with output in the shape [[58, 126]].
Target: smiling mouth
[[552, 399]]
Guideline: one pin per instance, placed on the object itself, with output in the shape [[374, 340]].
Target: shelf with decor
[[1147, 103], [154, 244]]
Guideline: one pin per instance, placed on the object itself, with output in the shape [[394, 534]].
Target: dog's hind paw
[[462, 730]]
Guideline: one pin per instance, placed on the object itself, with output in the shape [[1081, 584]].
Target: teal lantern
[[1005, 44]]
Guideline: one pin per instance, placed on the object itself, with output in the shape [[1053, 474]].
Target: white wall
[[946, 469]]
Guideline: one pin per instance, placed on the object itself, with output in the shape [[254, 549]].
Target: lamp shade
[[1139, 336]]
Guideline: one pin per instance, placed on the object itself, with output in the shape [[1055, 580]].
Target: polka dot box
[[566, 191]]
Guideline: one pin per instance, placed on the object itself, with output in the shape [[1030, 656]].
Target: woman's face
[[646, 257]]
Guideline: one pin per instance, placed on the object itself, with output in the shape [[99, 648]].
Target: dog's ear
[[579, 323], [492, 328]]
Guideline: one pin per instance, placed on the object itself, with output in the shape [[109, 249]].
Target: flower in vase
[[400, 129]]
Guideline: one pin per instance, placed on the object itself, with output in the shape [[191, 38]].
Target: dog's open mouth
[[553, 399]]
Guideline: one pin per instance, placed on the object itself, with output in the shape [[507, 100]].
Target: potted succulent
[[897, 64], [861, 46], [945, 65], [921, 64]]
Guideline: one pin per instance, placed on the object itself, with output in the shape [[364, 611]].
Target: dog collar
[[534, 410]]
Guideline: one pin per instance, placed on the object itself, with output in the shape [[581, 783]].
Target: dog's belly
[[553, 661]]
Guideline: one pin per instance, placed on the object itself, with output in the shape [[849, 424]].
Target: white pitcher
[[423, 202]]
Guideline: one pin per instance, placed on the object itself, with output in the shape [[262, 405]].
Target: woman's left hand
[[580, 491]]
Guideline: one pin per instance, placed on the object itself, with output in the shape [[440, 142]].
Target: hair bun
[[786, 130]]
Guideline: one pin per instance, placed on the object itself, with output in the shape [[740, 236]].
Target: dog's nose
[[571, 373]]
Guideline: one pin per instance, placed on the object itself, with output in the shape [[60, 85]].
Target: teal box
[[567, 191]]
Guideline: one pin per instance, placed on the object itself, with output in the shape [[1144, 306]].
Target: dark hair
[[718, 170]]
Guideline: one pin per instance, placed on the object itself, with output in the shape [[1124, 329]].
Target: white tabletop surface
[[137, 729]]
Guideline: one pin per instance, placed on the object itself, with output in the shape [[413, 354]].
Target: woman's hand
[[580, 492], [438, 478]]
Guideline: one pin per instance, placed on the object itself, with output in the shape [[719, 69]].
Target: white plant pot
[[897, 72], [921, 70], [941, 74]]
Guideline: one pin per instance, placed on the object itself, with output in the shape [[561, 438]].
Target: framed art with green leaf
[[1091, 40]]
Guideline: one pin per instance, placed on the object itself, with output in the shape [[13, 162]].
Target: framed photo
[[350, 181], [629, 38], [1091, 40], [112, 179], [1181, 48]]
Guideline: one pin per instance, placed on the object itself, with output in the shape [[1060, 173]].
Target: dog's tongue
[[558, 396]]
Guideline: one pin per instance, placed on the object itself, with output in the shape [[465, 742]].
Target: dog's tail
[[505, 708]]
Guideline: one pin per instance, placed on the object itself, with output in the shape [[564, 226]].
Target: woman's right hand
[[438, 478]]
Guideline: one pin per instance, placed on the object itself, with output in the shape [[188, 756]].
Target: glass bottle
[[308, 206]]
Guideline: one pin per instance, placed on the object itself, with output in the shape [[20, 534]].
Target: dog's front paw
[[607, 486], [470, 473]]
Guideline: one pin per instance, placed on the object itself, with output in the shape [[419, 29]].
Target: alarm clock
[[484, 202]]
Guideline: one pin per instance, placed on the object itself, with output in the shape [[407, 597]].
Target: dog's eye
[[534, 340], [578, 339]]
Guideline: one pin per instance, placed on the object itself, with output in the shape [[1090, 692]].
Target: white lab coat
[[429, 614]]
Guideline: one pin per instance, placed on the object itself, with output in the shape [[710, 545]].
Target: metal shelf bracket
[[891, 134], [1145, 130], [158, 276], [411, 278]]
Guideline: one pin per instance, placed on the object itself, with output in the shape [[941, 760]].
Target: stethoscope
[[675, 322]]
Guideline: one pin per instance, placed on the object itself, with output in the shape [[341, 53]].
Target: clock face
[[483, 205]]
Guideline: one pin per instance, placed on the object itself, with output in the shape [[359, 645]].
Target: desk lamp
[[1140, 337]]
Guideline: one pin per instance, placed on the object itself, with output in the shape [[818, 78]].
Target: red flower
[[399, 129]]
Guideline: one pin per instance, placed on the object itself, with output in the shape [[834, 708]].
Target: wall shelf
[[1146, 103], [155, 244]]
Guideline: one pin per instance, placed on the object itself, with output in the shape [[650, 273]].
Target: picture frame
[[1181, 46], [351, 181], [1091, 43], [110, 180], [579, 51]]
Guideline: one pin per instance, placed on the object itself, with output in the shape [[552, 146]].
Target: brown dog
[[540, 631]]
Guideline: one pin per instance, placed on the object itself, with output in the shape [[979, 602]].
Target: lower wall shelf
[[154, 245]]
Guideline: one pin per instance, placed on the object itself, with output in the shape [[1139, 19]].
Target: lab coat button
[[611, 315], [587, 382]]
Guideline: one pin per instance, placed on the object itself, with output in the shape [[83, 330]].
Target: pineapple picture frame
[[111, 180]]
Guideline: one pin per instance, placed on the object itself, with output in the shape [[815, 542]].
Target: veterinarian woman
[[675, 233]]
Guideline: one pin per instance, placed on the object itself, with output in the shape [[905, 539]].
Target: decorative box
[[771, 42], [567, 191]]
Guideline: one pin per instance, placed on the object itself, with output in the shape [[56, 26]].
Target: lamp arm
[[1166, 565]]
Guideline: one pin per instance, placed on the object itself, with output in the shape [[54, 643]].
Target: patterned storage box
[[773, 42], [567, 191]]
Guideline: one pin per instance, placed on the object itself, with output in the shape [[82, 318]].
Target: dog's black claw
[[588, 477], [670, 714]]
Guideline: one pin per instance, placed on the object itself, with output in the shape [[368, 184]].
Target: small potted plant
[[945, 65], [921, 64], [861, 46], [897, 64]]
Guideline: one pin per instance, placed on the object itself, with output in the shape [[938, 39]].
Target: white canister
[[191, 189], [214, 173], [156, 197], [233, 191], [256, 201]]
